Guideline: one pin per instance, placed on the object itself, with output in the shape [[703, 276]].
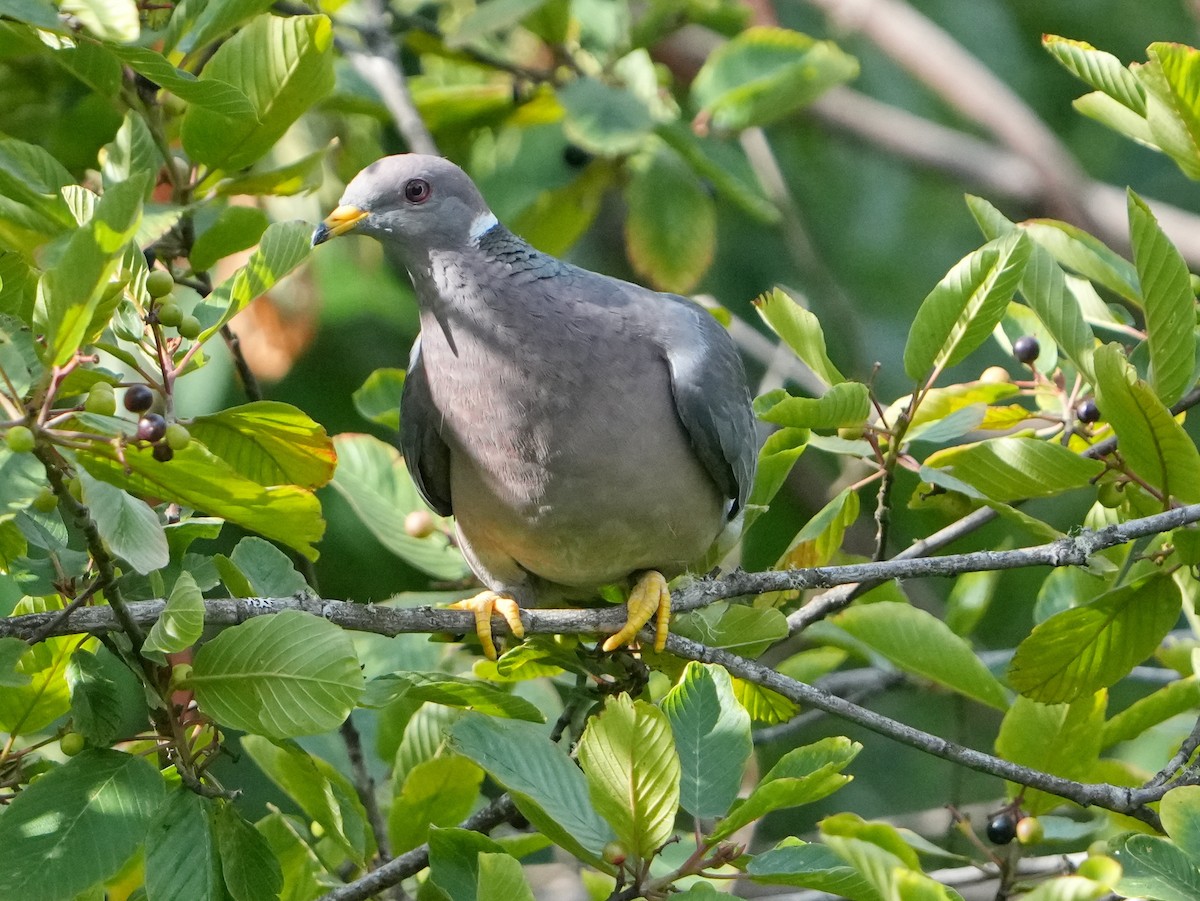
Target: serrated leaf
[[712, 738], [846, 404], [671, 223], [802, 776], [372, 476], [1095, 645], [283, 65], [1101, 70], [93, 812], [550, 790], [181, 623], [920, 643], [451, 691], [1156, 707], [1063, 739], [800, 330], [182, 863], [1152, 443], [198, 479], [1117, 116], [765, 74], [438, 792], [960, 312], [766, 706], [281, 676], [1170, 304], [248, 866], [604, 119], [747, 631], [1154, 868], [129, 526], [811, 866], [378, 400], [213, 94], [1009, 469], [324, 794], [632, 770]]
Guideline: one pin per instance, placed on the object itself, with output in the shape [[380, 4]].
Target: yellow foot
[[483, 605], [648, 597]]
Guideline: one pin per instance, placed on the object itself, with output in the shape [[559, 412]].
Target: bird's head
[[412, 202]]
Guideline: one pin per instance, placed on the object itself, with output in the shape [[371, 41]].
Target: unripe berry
[[159, 283], [45, 501], [71, 744], [177, 437], [1030, 831], [189, 327], [170, 314], [615, 853], [19, 439], [995, 375], [419, 524], [101, 400]]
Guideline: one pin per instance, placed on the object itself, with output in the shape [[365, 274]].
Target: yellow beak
[[340, 221]]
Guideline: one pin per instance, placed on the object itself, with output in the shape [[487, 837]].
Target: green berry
[[75, 488], [189, 327], [1101, 869], [159, 283], [419, 524], [180, 673], [71, 744], [101, 400], [177, 437], [1110, 495], [1030, 831], [45, 501], [615, 853], [170, 314], [19, 439]]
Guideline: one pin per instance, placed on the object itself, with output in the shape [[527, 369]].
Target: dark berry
[[575, 156], [1002, 828], [138, 398], [151, 427], [1026, 349], [1088, 411], [163, 453]]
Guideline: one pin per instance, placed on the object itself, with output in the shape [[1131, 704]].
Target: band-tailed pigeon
[[582, 430]]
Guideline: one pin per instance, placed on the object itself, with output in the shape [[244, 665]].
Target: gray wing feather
[[708, 382], [425, 454]]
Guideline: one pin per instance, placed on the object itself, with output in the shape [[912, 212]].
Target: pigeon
[[582, 430]]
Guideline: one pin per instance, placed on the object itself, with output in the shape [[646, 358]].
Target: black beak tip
[[321, 234]]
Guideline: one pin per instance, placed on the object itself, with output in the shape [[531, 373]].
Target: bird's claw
[[649, 598], [483, 605]]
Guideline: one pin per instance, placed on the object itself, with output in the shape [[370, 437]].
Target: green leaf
[[373, 478], [765, 74], [438, 792], [1154, 868], [129, 526], [205, 22], [1063, 739], [378, 400], [1075, 249], [765, 706], [24, 709], [712, 738], [747, 631], [11, 652], [490, 17], [283, 675], [882, 835], [632, 771], [501, 878], [269, 570], [776, 458], [1115, 115], [109, 20], [811, 866], [284, 65], [558, 217], [604, 119], [452, 691], [454, 856], [801, 776], [821, 537], [1101, 70], [301, 177], [93, 812], [1153, 444], [325, 795], [248, 865], [671, 223], [1171, 78], [1009, 469], [1170, 303], [237, 228], [270, 442], [1156, 707], [304, 877], [969, 600], [95, 699], [182, 621], [71, 291], [800, 330], [1095, 645], [846, 404], [181, 855], [549, 789], [22, 478], [920, 643], [284, 246], [1180, 812], [197, 479], [132, 151], [212, 94], [960, 312], [41, 13]]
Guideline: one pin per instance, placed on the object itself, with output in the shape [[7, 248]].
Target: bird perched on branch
[[582, 430]]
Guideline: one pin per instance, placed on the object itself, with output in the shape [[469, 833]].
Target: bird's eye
[[416, 190]]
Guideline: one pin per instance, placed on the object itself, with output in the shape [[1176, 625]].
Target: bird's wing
[[425, 454], [709, 387]]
